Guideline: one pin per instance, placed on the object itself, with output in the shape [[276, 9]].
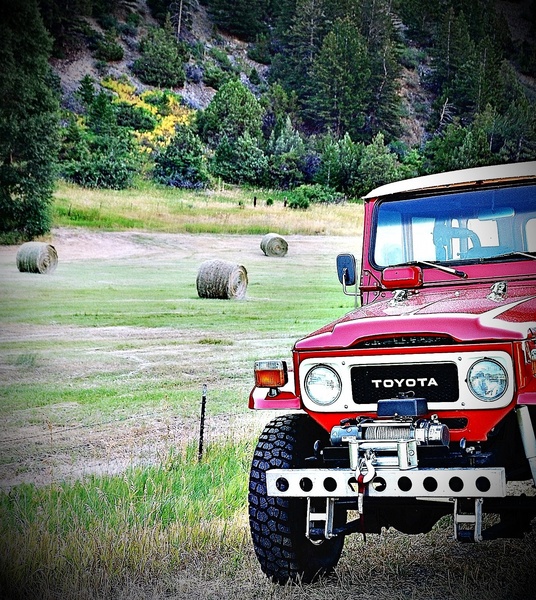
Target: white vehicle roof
[[455, 178]]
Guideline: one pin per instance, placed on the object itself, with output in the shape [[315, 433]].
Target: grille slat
[[436, 382], [406, 340]]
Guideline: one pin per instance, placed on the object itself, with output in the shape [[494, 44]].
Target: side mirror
[[346, 269]]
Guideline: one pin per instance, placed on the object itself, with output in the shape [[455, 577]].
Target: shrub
[[159, 99], [215, 77], [378, 166], [221, 58], [260, 50], [97, 159], [108, 49], [285, 170], [108, 163], [305, 195], [108, 22], [161, 60], [254, 77], [134, 117], [339, 161], [134, 19], [182, 164]]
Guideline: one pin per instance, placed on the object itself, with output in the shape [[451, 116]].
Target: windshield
[[463, 226]]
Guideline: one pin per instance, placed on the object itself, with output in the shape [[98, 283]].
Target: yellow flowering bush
[[166, 106]]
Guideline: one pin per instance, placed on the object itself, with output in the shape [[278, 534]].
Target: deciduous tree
[[232, 112]]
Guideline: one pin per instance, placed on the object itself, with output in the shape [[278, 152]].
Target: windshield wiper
[[531, 255], [435, 266]]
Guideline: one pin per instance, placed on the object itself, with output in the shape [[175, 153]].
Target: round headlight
[[487, 380], [323, 385]]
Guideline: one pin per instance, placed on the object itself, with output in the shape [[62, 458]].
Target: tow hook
[[366, 467], [364, 471], [362, 465]]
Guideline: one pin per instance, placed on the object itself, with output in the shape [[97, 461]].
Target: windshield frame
[[513, 208]]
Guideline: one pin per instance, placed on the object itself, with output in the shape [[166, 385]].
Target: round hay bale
[[36, 257], [221, 279], [273, 244]]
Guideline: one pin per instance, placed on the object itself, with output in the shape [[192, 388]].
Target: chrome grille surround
[[392, 385]]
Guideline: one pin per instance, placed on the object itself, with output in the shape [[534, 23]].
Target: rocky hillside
[[78, 60]]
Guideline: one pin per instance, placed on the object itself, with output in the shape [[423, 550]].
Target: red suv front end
[[422, 402]]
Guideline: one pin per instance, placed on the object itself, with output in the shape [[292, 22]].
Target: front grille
[[406, 340], [436, 382], [455, 423]]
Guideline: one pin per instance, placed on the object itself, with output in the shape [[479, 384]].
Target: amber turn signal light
[[271, 373]]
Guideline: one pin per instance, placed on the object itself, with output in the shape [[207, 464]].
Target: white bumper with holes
[[388, 483]]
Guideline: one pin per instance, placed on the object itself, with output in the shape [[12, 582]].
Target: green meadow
[[102, 364]]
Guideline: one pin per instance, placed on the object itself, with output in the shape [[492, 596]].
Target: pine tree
[[378, 166], [517, 128], [29, 126], [455, 48], [376, 21], [243, 18], [286, 156], [280, 15], [441, 151], [350, 10], [341, 74], [487, 80], [240, 160], [162, 58], [420, 16], [302, 42], [339, 164], [278, 106], [181, 15]]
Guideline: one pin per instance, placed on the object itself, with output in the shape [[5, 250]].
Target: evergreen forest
[[323, 98]]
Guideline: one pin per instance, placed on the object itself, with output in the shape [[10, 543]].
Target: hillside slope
[[79, 60]]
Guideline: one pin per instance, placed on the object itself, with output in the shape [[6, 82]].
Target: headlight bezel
[[317, 397], [499, 377]]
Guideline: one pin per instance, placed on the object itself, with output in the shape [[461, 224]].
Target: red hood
[[468, 314]]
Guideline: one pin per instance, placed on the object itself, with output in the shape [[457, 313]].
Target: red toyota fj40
[[422, 402]]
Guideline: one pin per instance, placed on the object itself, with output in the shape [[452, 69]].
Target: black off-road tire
[[278, 524]]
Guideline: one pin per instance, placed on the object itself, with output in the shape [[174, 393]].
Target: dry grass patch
[[229, 210]]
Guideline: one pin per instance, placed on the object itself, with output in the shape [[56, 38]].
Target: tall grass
[[179, 530], [226, 210], [59, 539], [106, 357]]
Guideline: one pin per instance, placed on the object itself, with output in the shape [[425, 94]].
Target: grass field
[[228, 210], [102, 364]]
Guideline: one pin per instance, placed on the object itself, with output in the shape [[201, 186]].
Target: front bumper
[[465, 489], [428, 484]]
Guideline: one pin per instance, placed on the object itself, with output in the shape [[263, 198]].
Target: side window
[[389, 246], [423, 238], [487, 231], [530, 235]]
